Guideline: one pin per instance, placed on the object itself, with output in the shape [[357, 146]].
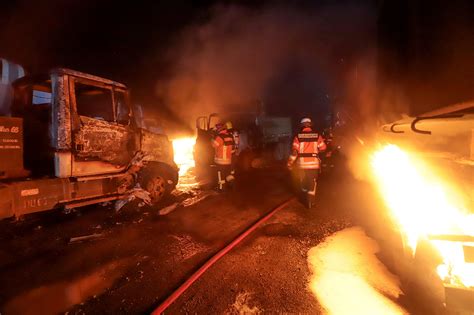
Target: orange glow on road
[[423, 205], [348, 278]]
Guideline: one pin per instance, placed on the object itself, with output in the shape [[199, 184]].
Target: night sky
[[103, 37], [424, 47]]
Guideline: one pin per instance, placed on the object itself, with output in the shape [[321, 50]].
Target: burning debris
[[183, 153], [183, 149], [424, 206]]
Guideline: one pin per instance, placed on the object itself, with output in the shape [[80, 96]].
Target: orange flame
[[422, 205], [183, 153], [184, 158]]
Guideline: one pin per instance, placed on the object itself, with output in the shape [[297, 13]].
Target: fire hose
[[198, 273]]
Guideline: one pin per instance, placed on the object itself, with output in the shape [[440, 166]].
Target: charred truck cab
[[71, 140]]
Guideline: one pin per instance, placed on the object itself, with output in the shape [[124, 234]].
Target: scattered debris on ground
[[198, 196], [241, 304], [168, 209], [190, 198], [186, 247], [83, 238], [135, 193]]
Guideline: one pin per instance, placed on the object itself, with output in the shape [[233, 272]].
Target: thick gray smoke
[[297, 60]]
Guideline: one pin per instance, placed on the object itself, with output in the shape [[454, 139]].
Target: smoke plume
[[296, 60]]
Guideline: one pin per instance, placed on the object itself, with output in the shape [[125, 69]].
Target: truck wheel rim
[[156, 187]]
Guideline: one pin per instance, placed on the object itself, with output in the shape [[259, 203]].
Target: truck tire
[[159, 180]]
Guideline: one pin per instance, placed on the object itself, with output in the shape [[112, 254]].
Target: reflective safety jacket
[[305, 149], [223, 144]]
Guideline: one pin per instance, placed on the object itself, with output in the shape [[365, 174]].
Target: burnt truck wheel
[[156, 186], [159, 181]]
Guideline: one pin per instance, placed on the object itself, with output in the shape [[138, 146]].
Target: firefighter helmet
[[306, 122], [228, 125], [219, 127]]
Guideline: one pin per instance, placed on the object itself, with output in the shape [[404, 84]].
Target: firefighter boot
[[311, 196], [230, 179]]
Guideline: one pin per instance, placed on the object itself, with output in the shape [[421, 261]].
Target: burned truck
[[70, 140], [444, 141]]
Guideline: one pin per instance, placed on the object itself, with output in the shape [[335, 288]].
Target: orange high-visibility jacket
[[306, 146], [223, 144]]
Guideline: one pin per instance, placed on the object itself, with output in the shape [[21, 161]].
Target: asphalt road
[[132, 259]]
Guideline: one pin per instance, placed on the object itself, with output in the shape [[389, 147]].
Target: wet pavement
[[140, 255]]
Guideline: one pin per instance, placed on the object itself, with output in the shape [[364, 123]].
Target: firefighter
[[223, 144], [236, 138], [305, 149]]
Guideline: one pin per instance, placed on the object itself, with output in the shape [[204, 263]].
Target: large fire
[[424, 205], [184, 158], [183, 153]]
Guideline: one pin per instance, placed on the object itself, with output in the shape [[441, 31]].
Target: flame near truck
[[425, 173], [71, 140]]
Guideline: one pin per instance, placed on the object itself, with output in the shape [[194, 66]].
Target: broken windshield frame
[[115, 109]]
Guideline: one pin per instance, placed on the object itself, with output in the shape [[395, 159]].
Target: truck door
[[101, 135], [203, 151]]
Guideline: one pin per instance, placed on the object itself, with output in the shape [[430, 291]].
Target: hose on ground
[[198, 273]]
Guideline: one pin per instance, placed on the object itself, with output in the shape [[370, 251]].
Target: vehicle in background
[[69, 139], [263, 139]]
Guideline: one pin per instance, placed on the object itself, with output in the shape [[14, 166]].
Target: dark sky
[[426, 50], [103, 37], [425, 47]]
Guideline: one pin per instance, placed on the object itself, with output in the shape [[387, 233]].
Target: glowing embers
[[184, 158], [424, 205]]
